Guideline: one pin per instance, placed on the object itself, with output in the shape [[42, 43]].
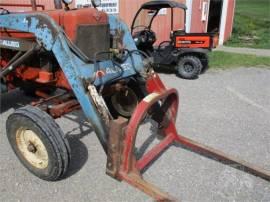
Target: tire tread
[[53, 132]]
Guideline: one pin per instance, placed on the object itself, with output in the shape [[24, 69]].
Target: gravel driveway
[[228, 110]]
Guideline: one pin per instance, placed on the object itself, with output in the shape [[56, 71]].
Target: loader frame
[[52, 38], [122, 163]]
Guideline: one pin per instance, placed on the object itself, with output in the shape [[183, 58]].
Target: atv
[[185, 52]]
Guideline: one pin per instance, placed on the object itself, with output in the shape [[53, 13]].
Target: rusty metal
[[124, 102], [42, 94], [56, 111], [110, 90], [18, 61], [115, 139], [56, 99], [122, 144], [57, 105], [224, 158], [151, 190], [100, 104]]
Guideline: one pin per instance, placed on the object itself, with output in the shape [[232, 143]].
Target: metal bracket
[[129, 169]]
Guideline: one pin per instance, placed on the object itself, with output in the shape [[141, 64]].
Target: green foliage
[[251, 24], [224, 60]]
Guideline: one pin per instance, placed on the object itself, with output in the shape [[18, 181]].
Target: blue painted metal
[[51, 36]]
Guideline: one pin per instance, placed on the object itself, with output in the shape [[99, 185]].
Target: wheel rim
[[32, 148], [125, 102], [188, 67]]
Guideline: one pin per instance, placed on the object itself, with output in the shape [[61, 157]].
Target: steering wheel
[[4, 11], [146, 36]]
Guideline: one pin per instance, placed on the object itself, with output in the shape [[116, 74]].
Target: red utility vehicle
[[185, 52]]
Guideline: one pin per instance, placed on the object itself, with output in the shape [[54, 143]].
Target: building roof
[[159, 4]]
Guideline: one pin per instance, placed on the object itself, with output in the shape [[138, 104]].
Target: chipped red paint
[[122, 163], [69, 21]]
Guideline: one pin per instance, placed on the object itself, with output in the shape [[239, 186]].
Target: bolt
[[32, 148]]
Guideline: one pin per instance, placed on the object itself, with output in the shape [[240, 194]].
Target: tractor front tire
[[39, 143], [189, 67]]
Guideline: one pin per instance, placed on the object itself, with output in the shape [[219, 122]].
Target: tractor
[[184, 53], [84, 59]]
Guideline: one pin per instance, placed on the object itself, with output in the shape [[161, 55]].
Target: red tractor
[[92, 58]]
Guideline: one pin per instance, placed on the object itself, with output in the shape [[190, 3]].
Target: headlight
[[67, 1], [96, 3]]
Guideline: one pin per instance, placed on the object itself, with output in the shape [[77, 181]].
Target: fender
[[185, 51], [194, 50]]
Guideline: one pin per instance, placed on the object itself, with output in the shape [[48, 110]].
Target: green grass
[[251, 24], [223, 60]]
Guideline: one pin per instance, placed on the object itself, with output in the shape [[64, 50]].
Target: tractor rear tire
[[189, 67], [39, 143]]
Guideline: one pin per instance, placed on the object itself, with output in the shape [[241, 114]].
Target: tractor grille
[[92, 39]]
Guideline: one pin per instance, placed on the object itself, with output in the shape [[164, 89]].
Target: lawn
[[223, 60], [251, 24]]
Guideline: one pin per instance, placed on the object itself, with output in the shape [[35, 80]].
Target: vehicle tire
[[189, 67], [38, 142]]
